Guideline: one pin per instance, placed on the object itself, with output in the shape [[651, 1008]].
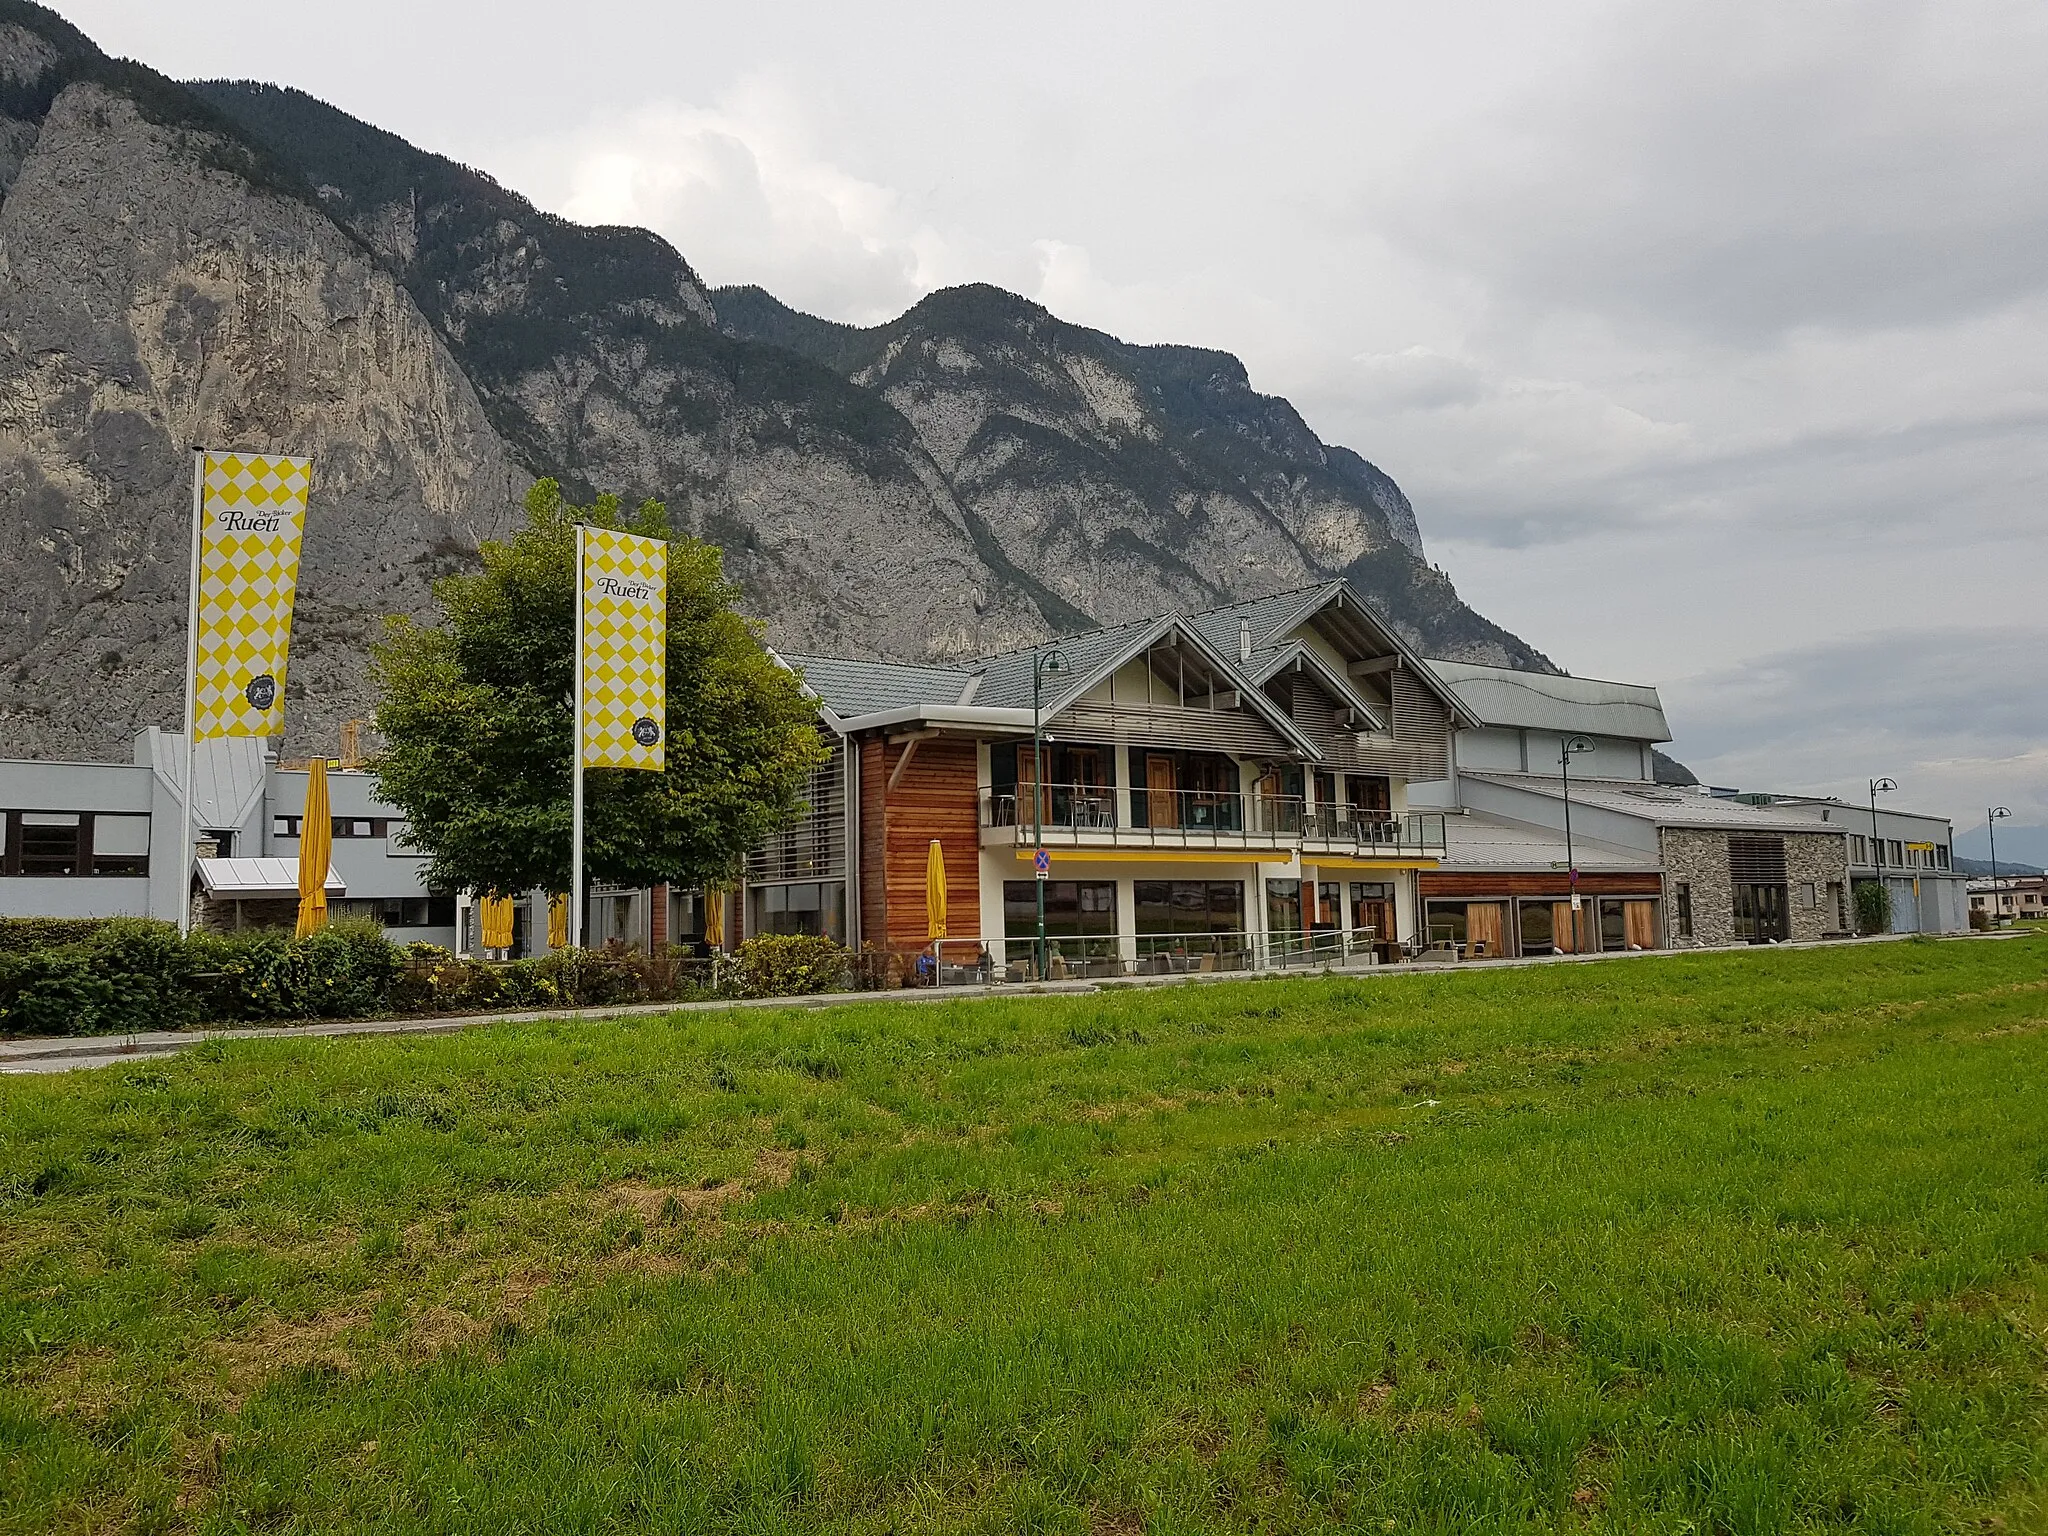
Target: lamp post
[[1992, 817], [1044, 664], [1572, 746], [1880, 787]]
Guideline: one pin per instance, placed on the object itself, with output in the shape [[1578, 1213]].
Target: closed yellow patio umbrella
[[558, 921], [935, 891], [316, 847], [714, 919], [494, 913]]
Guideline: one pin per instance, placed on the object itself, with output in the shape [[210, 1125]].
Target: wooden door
[[1561, 927], [1640, 918], [1483, 926], [1162, 807]]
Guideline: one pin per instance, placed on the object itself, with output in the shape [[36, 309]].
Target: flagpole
[[576, 768], [191, 692]]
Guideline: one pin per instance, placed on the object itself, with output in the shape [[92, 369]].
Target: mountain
[[239, 264]]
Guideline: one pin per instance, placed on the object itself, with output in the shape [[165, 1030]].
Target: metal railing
[[1111, 956], [1178, 817]]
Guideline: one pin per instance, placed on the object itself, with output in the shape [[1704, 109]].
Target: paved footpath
[[73, 1052]]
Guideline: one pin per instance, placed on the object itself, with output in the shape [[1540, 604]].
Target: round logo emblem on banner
[[646, 732], [261, 692]]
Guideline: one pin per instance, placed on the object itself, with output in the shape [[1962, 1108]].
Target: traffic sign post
[[1041, 864]]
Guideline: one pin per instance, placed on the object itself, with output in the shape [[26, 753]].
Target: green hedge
[[127, 975], [21, 935]]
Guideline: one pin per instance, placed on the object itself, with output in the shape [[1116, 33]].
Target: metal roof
[[1475, 838], [1546, 702], [1664, 806], [250, 878]]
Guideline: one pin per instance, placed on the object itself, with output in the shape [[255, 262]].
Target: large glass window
[[1283, 908], [1189, 916], [1760, 913], [1447, 922], [817, 908], [1539, 927], [120, 844], [1186, 789], [1080, 915]]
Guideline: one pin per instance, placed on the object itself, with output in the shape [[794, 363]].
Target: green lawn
[[1741, 1242]]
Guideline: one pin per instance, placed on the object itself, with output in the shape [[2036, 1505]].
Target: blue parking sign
[[1041, 864]]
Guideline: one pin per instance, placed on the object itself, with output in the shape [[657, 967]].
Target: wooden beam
[[1373, 664], [909, 751]]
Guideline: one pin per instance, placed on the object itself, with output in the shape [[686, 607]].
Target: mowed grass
[[1741, 1242]]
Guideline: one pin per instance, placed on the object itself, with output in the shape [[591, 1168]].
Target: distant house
[[2010, 897]]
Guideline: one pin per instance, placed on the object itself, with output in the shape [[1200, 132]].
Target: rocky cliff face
[[240, 265]]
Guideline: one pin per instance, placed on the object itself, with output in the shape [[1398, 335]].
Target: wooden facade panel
[[874, 776], [1451, 885], [936, 798], [1167, 726]]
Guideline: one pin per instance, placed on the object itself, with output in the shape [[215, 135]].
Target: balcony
[[1226, 821], [1095, 816], [1353, 833]]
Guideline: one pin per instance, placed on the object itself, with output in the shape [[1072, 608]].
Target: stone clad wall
[[1700, 858]]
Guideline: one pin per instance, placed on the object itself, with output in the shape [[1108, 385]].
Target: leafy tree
[[476, 714]]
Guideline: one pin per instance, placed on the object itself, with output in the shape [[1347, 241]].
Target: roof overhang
[[272, 879]]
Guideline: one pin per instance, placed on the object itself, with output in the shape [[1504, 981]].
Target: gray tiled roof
[[865, 687], [1006, 678], [1271, 618]]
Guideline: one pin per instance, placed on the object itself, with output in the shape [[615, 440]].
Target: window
[[1859, 849], [1941, 856], [1684, 909], [120, 844], [1080, 914], [817, 908], [1894, 851], [1372, 907], [344, 826], [1809, 895], [59, 844], [1838, 903], [1760, 913], [402, 911], [1283, 907], [1188, 906]]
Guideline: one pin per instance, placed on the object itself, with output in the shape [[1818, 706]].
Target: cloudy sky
[[1710, 340]]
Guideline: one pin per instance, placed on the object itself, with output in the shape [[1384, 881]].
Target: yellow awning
[[1317, 862], [1159, 856]]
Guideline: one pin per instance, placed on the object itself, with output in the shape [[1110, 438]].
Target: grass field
[[1741, 1242]]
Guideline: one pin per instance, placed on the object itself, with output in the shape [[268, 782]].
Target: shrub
[[790, 965], [55, 992], [22, 935], [1873, 907]]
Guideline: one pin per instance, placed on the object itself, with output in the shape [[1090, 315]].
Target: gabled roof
[[995, 691], [1275, 619], [1268, 664]]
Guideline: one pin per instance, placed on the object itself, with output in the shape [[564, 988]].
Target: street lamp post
[[1043, 664], [1572, 745], [1880, 787], [1992, 818]]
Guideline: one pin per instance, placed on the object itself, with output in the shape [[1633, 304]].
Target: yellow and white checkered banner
[[252, 511], [625, 650]]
